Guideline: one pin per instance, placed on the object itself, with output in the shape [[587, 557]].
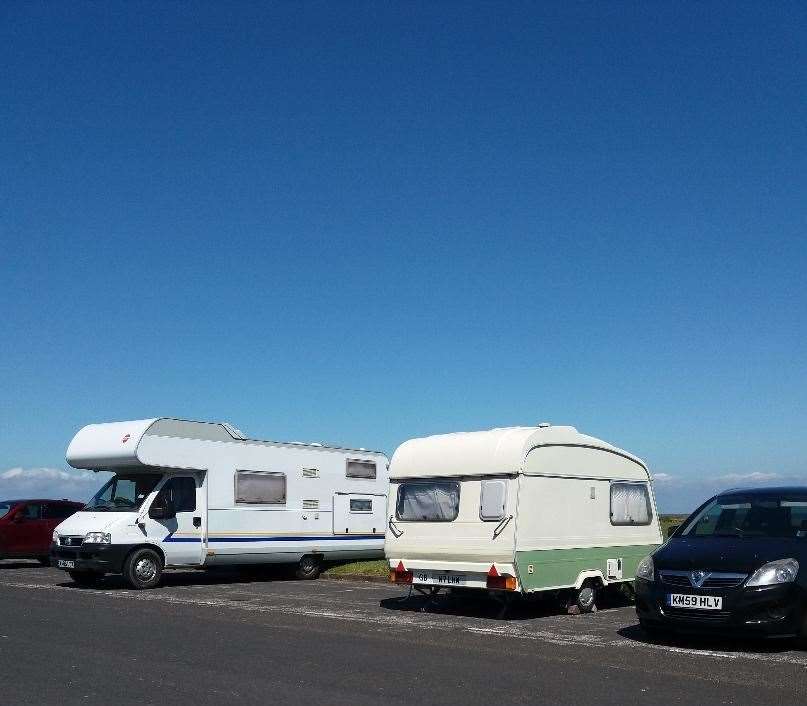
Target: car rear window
[[4, 508]]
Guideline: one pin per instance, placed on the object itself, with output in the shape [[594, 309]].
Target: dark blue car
[[738, 564]]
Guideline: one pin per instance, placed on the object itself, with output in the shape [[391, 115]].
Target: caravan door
[[182, 538], [358, 513]]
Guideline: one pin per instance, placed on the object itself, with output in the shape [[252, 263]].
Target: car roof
[[771, 490], [16, 501]]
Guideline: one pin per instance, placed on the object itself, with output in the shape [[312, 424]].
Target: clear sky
[[363, 222]]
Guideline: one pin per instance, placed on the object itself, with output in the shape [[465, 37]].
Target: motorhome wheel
[[308, 568], [143, 568]]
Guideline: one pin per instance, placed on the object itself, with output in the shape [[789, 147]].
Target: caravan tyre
[[308, 568], [586, 598], [143, 568]]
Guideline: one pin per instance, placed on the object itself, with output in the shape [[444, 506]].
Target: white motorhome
[[520, 510], [200, 494]]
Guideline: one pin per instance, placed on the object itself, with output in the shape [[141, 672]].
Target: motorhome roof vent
[[235, 433], [544, 425]]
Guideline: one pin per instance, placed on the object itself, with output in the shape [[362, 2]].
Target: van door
[[182, 538], [358, 513]]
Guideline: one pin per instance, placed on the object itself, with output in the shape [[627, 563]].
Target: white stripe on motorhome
[[420, 621]]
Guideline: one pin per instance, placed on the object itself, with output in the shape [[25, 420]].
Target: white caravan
[[200, 494], [522, 510]]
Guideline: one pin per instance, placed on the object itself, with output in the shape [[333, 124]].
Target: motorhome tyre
[[309, 567], [143, 568]]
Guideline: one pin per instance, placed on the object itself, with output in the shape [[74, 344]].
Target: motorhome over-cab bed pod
[[201, 493], [523, 508]]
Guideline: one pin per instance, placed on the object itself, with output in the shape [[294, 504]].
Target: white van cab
[[518, 510], [198, 494]]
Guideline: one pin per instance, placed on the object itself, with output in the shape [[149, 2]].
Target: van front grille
[[71, 541]]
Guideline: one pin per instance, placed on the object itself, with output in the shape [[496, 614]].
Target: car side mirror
[[162, 508]]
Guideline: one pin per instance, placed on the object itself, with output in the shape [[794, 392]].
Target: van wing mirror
[[162, 508]]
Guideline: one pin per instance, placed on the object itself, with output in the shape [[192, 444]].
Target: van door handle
[[500, 527], [197, 521]]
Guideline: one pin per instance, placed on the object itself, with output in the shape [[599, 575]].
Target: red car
[[26, 526]]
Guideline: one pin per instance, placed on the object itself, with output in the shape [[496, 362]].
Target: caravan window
[[630, 504], [360, 469], [493, 499], [428, 501], [260, 488]]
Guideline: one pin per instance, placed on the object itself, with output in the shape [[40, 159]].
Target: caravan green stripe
[[552, 568]]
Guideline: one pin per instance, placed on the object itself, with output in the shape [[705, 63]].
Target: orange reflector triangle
[[400, 568], [493, 571]]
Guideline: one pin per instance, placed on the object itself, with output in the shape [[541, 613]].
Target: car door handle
[[197, 521]]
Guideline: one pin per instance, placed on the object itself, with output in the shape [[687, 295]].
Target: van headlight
[[97, 538], [645, 570], [775, 572]]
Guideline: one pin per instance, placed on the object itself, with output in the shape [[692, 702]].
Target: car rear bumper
[[106, 558], [766, 611]]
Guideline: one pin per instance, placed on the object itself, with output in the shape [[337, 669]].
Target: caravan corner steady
[[520, 510], [198, 494]]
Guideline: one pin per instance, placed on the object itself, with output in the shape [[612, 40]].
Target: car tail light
[[400, 575], [500, 582]]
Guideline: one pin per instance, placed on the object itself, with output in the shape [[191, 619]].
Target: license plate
[[65, 564], [682, 600], [440, 578]]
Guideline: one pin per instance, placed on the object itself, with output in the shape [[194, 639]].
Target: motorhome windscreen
[[428, 501], [124, 492], [751, 515]]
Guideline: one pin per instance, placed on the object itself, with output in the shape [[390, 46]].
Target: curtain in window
[[630, 504]]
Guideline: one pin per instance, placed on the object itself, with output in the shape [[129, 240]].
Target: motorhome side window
[[182, 493], [361, 505], [630, 504], [260, 487], [360, 469], [428, 501]]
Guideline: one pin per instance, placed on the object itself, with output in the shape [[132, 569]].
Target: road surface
[[207, 638]]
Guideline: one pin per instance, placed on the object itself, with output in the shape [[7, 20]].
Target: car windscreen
[[428, 501], [5, 507], [124, 492], [750, 515]]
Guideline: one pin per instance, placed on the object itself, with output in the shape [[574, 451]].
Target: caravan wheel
[[308, 568], [585, 600]]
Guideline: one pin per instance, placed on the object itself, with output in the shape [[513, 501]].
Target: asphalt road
[[206, 638]]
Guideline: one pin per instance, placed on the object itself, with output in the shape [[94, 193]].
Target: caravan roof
[[486, 452]]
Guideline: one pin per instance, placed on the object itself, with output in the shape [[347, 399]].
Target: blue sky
[[364, 222]]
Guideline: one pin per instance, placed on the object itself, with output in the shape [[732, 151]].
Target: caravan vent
[[310, 472], [310, 504]]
